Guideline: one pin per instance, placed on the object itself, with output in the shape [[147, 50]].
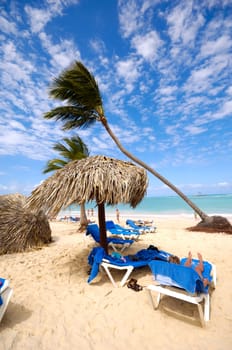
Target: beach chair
[[99, 260], [5, 295], [184, 283], [74, 219], [117, 244], [121, 232], [140, 228]]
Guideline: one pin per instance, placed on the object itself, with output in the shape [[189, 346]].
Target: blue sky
[[164, 71]]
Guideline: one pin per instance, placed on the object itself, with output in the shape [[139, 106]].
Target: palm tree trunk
[[102, 226], [83, 217], [202, 215]]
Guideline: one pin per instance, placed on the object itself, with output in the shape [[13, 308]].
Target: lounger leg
[[201, 314], [207, 308], [214, 273], [204, 316], [155, 306], [124, 247], [113, 246], [128, 269], [110, 276], [127, 274], [158, 300]]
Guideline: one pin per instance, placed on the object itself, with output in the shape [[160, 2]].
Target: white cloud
[[229, 90], [218, 46], [129, 15], [62, 54], [167, 90], [147, 45], [223, 184], [14, 124], [7, 26], [195, 130], [224, 111], [18, 64], [208, 77], [39, 17], [135, 15], [129, 71], [184, 23]]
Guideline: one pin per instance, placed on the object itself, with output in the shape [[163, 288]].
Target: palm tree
[[76, 149], [78, 87]]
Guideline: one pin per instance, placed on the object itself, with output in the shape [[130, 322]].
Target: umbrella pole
[[102, 226]]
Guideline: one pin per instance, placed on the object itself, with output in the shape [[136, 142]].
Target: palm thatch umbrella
[[99, 178], [21, 229]]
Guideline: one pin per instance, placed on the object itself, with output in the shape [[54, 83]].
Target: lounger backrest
[[177, 275], [93, 230], [131, 223], [110, 224]]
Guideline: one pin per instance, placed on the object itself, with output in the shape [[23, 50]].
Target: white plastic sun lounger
[[165, 285], [98, 259], [5, 295]]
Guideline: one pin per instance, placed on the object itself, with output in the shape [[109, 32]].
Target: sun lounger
[[99, 259], [184, 283], [5, 295], [120, 231], [116, 243], [74, 219], [140, 228]]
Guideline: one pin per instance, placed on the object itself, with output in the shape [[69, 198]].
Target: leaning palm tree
[[75, 149], [78, 87]]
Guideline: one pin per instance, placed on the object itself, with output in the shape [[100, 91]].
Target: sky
[[164, 71]]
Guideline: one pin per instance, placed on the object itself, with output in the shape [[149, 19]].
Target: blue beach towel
[[179, 276], [2, 280], [93, 230], [94, 259], [119, 230], [140, 259]]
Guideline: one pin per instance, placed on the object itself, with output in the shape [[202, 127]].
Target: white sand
[[53, 306]]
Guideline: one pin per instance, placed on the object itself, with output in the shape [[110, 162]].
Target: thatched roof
[[21, 229], [99, 178]]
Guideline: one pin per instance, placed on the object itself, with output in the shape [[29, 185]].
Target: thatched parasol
[[98, 178], [21, 229]]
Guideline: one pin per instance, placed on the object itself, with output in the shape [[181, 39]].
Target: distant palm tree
[[75, 149], [78, 87]]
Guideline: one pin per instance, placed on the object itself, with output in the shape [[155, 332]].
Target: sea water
[[167, 205]]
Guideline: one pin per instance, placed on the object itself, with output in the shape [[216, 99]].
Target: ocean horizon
[[212, 204]]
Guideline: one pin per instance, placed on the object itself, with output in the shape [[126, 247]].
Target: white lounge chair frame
[[124, 236], [118, 247], [204, 310], [5, 293], [107, 266]]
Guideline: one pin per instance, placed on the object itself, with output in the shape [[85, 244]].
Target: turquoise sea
[[168, 205]]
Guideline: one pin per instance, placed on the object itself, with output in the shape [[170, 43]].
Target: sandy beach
[[53, 306]]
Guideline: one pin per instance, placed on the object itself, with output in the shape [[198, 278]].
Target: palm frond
[[77, 85], [77, 146], [73, 117], [76, 149], [54, 164]]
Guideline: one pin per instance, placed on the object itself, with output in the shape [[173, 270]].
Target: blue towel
[[132, 224], [119, 230], [140, 259], [93, 230], [150, 254], [94, 259], [178, 275], [2, 280], [207, 267]]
